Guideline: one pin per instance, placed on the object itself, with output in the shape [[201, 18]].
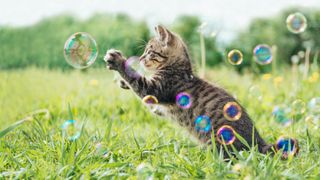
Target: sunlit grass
[[137, 144]]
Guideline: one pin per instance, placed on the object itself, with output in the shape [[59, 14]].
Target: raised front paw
[[114, 59]]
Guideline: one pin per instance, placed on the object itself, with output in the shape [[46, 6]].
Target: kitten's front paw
[[114, 59]]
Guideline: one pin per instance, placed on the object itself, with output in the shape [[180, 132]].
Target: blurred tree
[[273, 31], [188, 28], [42, 45]]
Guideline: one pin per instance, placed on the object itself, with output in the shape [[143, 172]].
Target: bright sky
[[226, 15]]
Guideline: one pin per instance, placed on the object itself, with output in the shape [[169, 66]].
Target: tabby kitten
[[167, 56]]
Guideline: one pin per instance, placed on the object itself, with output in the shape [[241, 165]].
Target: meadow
[[121, 139]]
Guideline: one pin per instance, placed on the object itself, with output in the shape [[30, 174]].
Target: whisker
[[141, 44]]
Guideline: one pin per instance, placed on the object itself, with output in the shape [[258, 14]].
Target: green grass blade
[[13, 126]]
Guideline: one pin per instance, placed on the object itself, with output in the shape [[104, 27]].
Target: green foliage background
[[273, 32], [41, 45]]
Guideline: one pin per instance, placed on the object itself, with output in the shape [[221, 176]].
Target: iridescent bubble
[[80, 50], [144, 171], [183, 100], [295, 59], [289, 146], [301, 54], [232, 111], [71, 130], [149, 99], [314, 105], [226, 135], [101, 149], [280, 116], [262, 54], [298, 107], [203, 124], [133, 67], [255, 92], [313, 121], [296, 23], [235, 57]]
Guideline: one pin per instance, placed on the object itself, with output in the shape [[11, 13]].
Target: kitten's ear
[[164, 35]]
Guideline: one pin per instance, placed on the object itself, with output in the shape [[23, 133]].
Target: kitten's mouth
[[146, 65], [143, 63]]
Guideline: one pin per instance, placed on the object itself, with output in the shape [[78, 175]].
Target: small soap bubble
[[288, 146], [133, 67], [235, 57], [279, 114], [313, 121], [144, 171], [296, 23], [298, 107], [262, 54], [295, 59], [301, 54], [232, 111], [314, 105], [203, 124], [149, 99], [183, 100], [226, 135], [101, 149], [80, 50], [71, 130], [255, 93]]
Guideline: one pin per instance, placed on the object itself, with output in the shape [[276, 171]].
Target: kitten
[[167, 56]]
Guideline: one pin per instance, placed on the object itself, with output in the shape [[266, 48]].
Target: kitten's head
[[164, 50]]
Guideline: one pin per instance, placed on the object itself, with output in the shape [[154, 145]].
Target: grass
[[121, 139]]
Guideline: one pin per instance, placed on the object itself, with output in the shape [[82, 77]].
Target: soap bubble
[[71, 130], [301, 54], [298, 107], [255, 93], [183, 100], [203, 124], [226, 135], [101, 149], [149, 99], [235, 57], [262, 54], [313, 121], [280, 116], [80, 50], [295, 59], [314, 105], [232, 111], [144, 171], [289, 146], [296, 23], [133, 67]]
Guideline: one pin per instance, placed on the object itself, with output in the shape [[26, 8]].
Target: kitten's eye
[[158, 54]]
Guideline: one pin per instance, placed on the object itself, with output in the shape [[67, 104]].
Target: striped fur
[[167, 55]]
